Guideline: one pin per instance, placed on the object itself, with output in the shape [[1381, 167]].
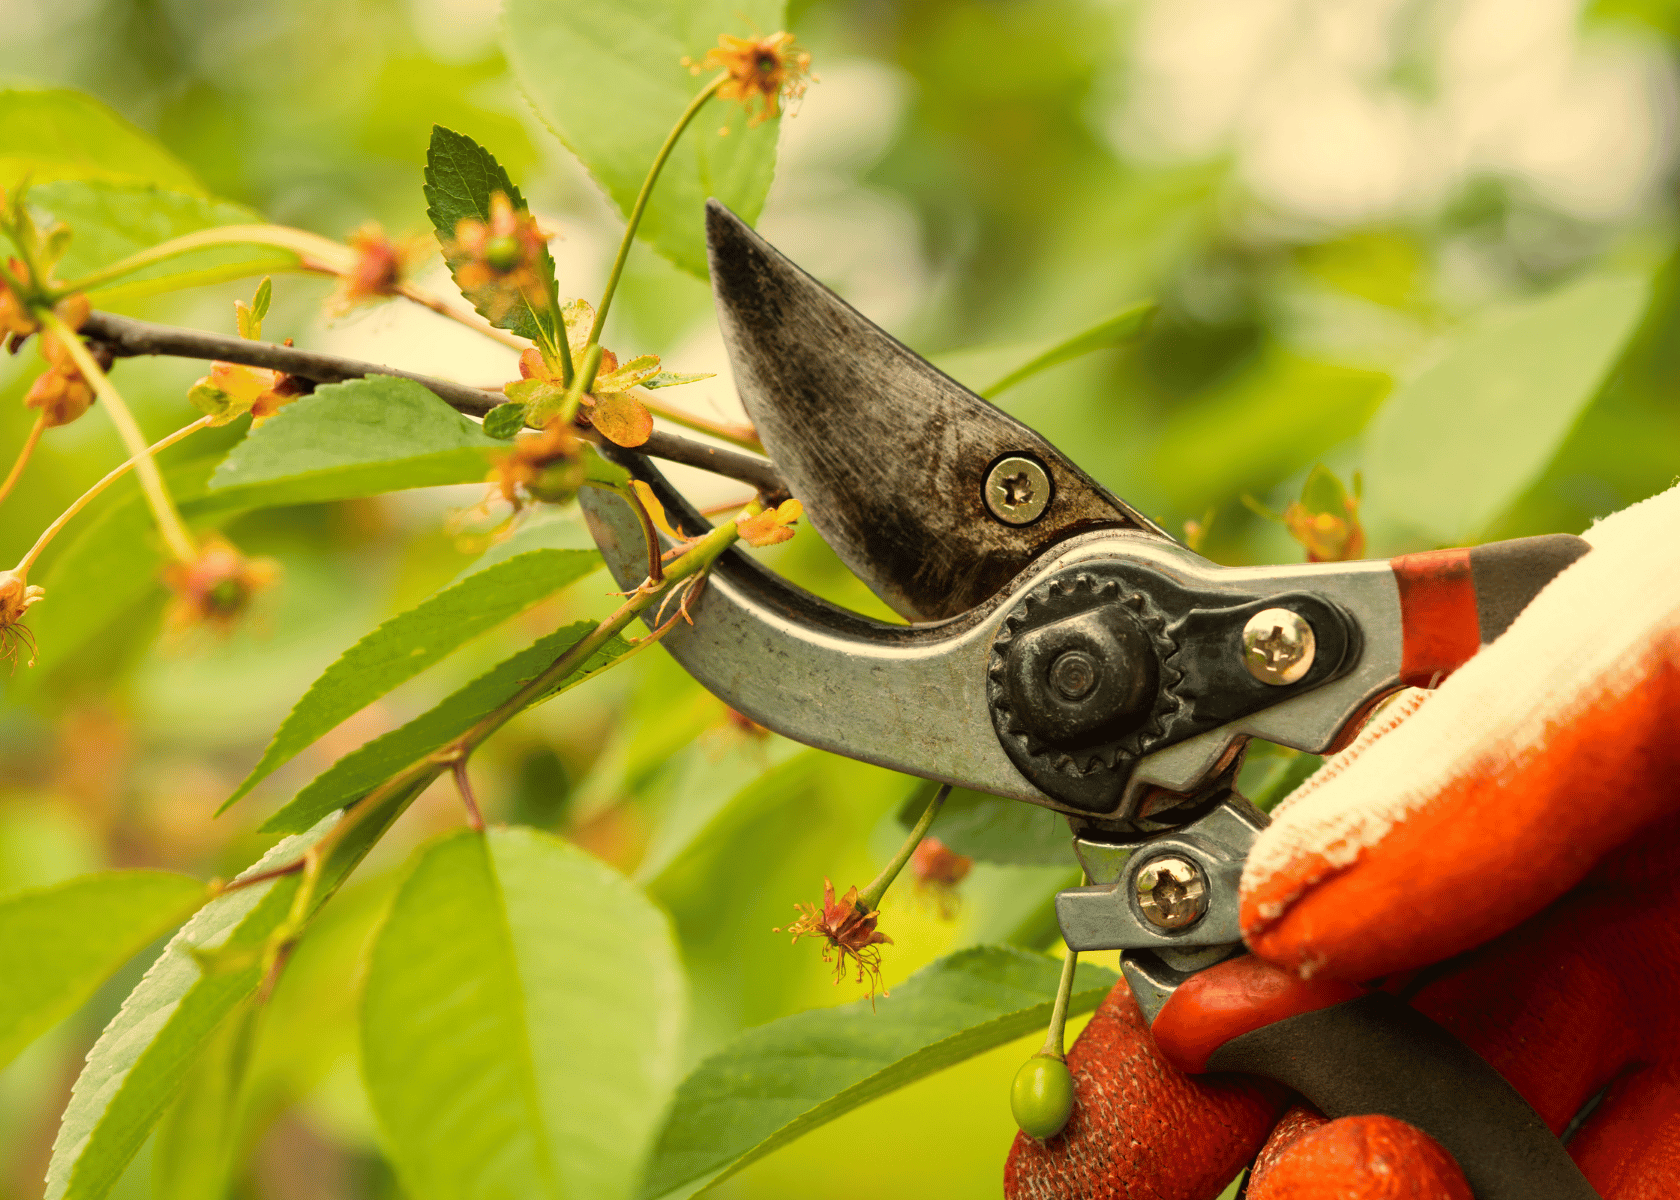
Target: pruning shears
[[1066, 651]]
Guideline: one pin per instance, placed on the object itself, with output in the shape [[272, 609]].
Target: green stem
[[1054, 1036], [697, 559], [870, 899], [635, 218], [581, 383], [87, 497], [327, 254], [174, 531]]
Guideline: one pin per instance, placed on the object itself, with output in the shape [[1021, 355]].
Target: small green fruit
[[503, 253], [1042, 1096]]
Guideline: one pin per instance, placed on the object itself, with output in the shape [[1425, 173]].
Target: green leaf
[[504, 421], [1279, 415], [608, 78], [1457, 445], [142, 1059], [716, 791], [520, 1021], [992, 829], [461, 176], [249, 317], [110, 221], [197, 1142], [673, 379], [363, 769], [111, 564], [310, 1029], [1121, 329], [782, 1080], [58, 944], [412, 641], [357, 438], [54, 133]]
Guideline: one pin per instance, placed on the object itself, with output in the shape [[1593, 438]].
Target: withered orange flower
[[15, 321], [744, 725], [847, 932], [936, 863], [769, 69], [60, 392], [16, 595], [938, 870], [1328, 537], [495, 261], [542, 466], [217, 587], [1325, 520], [771, 526], [380, 264], [609, 405]]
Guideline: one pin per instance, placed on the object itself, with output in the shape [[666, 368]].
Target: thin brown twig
[[468, 317], [126, 337], [744, 436], [463, 784], [656, 567], [256, 877], [712, 510]]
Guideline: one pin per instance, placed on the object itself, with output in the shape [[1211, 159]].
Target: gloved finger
[[1630, 1147], [1140, 1128], [1549, 748], [1581, 998], [1354, 1158]]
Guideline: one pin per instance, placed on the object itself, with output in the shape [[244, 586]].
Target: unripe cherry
[[503, 253], [1042, 1096]]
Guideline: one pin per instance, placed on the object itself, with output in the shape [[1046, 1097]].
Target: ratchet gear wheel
[[1081, 685]]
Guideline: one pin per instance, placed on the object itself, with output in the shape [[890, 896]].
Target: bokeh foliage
[[1496, 362]]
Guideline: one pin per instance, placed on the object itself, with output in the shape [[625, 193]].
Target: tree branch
[[126, 337]]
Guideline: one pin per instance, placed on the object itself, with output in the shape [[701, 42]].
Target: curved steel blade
[[911, 698], [888, 455]]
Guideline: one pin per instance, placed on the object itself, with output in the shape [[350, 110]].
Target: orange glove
[[1507, 857]]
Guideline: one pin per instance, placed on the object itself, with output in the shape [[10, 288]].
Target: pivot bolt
[[1172, 892], [1278, 646], [1074, 674], [1017, 490]]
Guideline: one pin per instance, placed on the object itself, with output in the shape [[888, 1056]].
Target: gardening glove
[[1505, 854]]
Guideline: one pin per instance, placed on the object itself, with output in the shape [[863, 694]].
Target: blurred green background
[[1323, 197]]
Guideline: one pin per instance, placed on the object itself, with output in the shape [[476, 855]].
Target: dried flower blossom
[[938, 870], [546, 466], [847, 932], [495, 262], [770, 69], [217, 587], [1325, 519], [378, 269], [16, 321], [771, 526], [16, 595], [60, 392]]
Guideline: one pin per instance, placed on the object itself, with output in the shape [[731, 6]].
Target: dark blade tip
[[889, 455]]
